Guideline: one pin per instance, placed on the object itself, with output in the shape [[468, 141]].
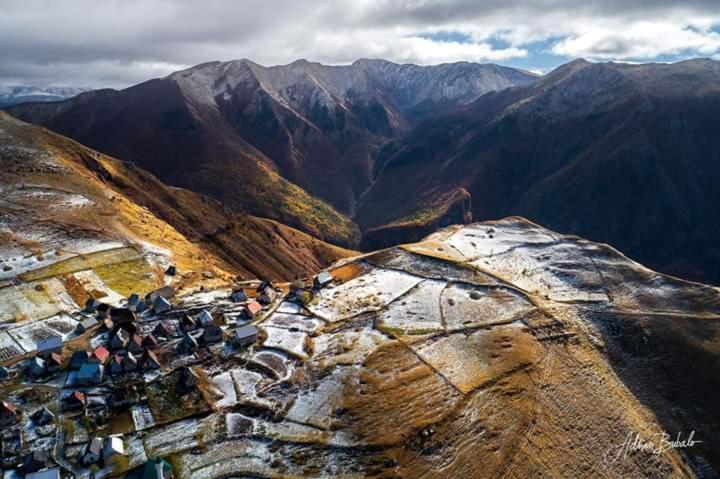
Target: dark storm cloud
[[115, 43]]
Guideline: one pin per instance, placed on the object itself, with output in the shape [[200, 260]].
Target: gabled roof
[[152, 357], [253, 307], [204, 317], [160, 305], [323, 278], [122, 335], [238, 295], [90, 370], [96, 445], [79, 358], [247, 331], [115, 445], [52, 342], [88, 323], [101, 353]]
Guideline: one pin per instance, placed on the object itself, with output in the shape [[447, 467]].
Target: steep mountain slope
[[624, 154], [237, 131], [60, 199], [16, 94]]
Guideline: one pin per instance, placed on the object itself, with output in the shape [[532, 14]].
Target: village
[[77, 406]]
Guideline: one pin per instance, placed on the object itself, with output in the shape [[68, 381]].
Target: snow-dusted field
[[465, 306], [9, 348], [224, 384], [481, 240], [28, 334], [416, 312], [346, 347], [293, 322], [369, 292], [292, 342], [35, 300], [316, 406]]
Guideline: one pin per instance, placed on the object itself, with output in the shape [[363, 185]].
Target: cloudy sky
[[121, 42]]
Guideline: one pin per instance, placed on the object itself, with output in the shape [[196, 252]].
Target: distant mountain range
[[16, 94], [376, 153]]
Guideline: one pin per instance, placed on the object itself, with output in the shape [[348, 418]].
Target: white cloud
[[639, 40], [115, 43]]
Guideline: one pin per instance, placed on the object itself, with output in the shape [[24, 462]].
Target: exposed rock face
[[497, 349]]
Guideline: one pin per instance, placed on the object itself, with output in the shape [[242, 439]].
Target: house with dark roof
[[53, 364], [164, 329], [150, 360], [130, 362], [91, 374], [37, 368], [187, 344], [267, 295], [86, 325], [79, 358], [120, 340], [238, 296], [204, 318], [116, 364], [167, 292], [93, 453], [153, 469], [102, 311], [73, 402], [122, 315], [91, 305], [133, 300], [188, 323], [4, 373], [245, 335], [135, 345], [8, 413], [47, 346], [212, 334], [42, 416], [36, 460], [150, 341], [161, 305]]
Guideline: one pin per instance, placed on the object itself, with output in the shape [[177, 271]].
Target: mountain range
[[375, 153], [16, 94]]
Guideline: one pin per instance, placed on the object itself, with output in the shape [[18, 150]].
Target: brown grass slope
[[187, 144], [131, 203]]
